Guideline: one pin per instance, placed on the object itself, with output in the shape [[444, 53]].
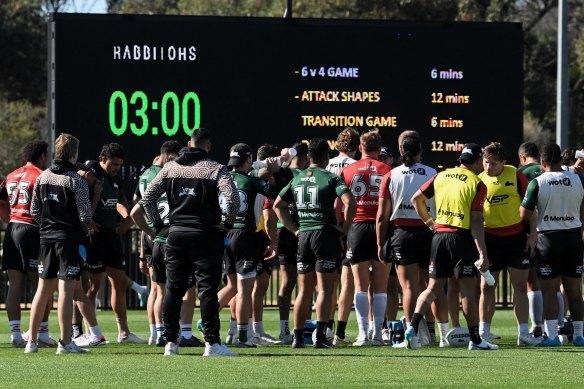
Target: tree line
[[23, 50]]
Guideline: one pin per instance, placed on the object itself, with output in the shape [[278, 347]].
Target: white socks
[[362, 312], [379, 306], [551, 327], [535, 308]]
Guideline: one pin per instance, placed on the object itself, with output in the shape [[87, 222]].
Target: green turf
[[129, 366]]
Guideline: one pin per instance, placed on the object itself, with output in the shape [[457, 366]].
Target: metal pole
[[288, 10], [562, 129]]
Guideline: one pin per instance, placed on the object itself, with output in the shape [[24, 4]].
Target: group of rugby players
[[361, 222]]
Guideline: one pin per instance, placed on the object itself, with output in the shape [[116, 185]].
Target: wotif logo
[[564, 181]]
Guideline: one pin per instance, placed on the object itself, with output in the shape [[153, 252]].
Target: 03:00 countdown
[[171, 110]]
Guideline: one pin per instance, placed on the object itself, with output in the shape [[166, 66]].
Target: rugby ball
[[458, 337]]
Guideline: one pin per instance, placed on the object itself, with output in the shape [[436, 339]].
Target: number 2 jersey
[[314, 191], [364, 180], [19, 187], [163, 207]]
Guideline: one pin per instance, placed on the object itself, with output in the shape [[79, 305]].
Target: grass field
[[143, 366]]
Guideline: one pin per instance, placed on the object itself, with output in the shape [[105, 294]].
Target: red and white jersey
[[19, 185], [337, 164], [400, 185], [364, 179]]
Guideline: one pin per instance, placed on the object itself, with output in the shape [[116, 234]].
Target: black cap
[[238, 154], [470, 153], [93, 167], [386, 152]]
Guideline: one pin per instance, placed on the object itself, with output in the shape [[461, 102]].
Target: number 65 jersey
[[364, 180]]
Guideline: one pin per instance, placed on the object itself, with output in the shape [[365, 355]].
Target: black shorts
[[560, 254], [411, 245], [157, 262], [362, 242], [318, 250], [263, 266], [507, 251], [21, 247], [453, 255], [60, 259], [287, 247], [105, 249], [241, 254]]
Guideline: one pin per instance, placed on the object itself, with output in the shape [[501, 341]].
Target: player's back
[[364, 180], [19, 185]]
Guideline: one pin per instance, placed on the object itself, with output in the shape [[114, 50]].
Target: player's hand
[[380, 254], [531, 244], [272, 163], [482, 264], [94, 228], [144, 267], [124, 225], [270, 252]]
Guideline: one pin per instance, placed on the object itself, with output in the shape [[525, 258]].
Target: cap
[[238, 154], [93, 167], [470, 153], [386, 152]]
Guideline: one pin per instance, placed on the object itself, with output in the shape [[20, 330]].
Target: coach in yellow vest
[[459, 241], [506, 240]]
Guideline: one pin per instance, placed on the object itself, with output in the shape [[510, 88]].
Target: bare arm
[[283, 213], [477, 229], [271, 226], [139, 216], [350, 206], [419, 203], [383, 215]]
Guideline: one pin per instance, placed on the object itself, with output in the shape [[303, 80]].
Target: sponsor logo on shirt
[[109, 202], [553, 218], [187, 192], [420, 171], [564, 181], [457, 176]]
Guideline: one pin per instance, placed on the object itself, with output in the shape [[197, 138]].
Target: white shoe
[[376, 342], [337, 341], [218, 350], [528, 340], [131, 338], [361, 343], [71, 348], [488, 336], [412, 341], [170, 349], [47, 342], [443, 343], [90, 341], [400, 345], [18, 343], [484, 345], [260, 341], [31, 347], [330, 335], [286, 339], [386, 335]]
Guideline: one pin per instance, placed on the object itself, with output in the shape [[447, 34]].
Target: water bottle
[[283, 160], [579, 154], [489, 279]]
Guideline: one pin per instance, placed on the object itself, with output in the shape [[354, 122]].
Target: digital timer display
[[140, 80], [175, 113]]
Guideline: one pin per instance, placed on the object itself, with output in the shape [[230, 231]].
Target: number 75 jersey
[[364, 180]]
